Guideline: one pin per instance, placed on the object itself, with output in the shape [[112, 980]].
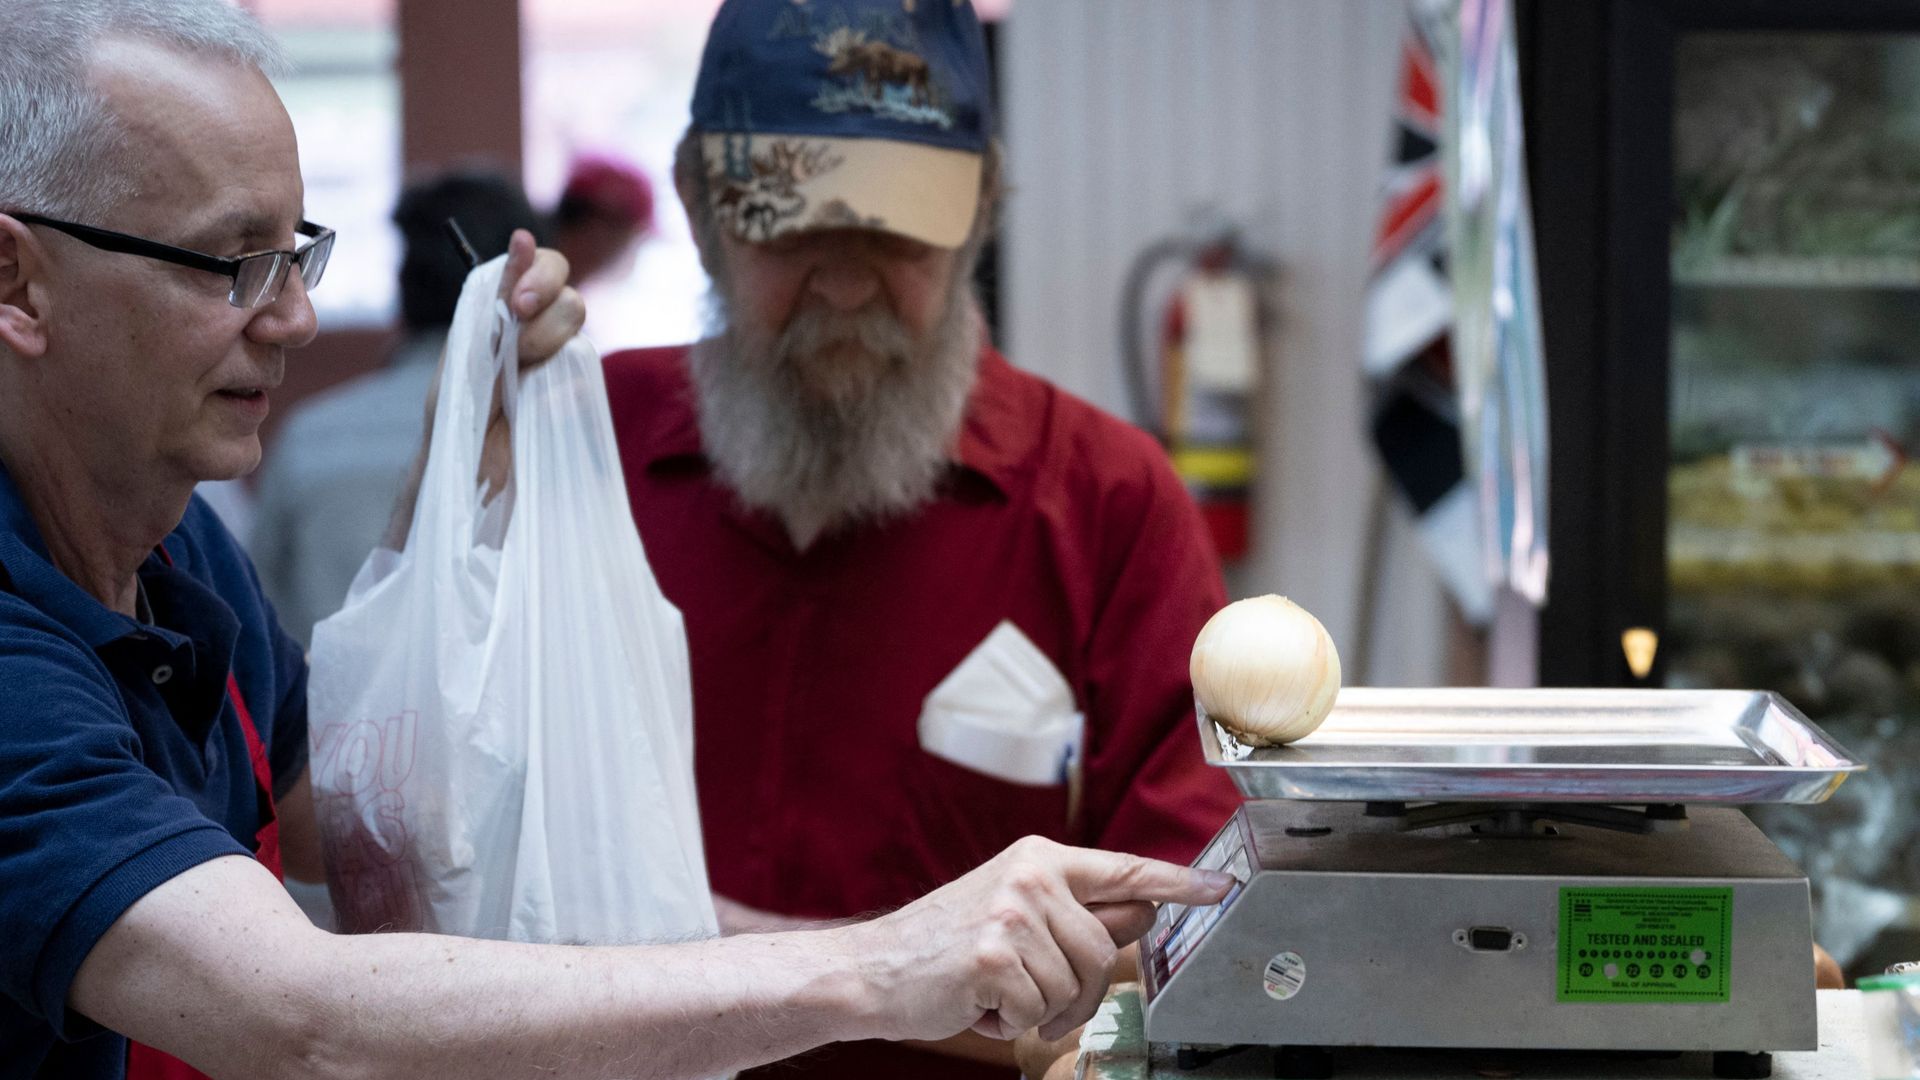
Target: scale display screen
[[1177, 928]]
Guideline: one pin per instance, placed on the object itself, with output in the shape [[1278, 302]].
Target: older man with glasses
[[152, 711]]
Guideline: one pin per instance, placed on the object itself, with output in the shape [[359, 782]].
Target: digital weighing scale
[[1511, 869]]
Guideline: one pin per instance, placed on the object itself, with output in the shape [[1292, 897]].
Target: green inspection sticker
[[1645, 945]]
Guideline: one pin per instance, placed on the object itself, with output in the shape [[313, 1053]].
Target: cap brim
[[766, 186]]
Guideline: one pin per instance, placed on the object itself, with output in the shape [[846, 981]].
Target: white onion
[[1266, 670]]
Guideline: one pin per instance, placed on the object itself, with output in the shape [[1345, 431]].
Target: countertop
[[1114, 1048]]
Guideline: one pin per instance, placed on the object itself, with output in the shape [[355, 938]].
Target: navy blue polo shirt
[[122, 763]]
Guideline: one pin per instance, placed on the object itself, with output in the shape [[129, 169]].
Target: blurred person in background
[[604, 214], [328, 485], [605, 210], [933, 603]]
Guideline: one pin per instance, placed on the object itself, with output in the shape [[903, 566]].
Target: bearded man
[[933, 603]]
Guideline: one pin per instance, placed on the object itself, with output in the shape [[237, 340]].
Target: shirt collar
[[28, 572], [992, 444], [996, 437]]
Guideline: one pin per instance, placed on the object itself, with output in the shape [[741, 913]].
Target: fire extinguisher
[[1197, 387]]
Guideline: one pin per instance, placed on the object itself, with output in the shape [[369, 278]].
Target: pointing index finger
[[1105, 877]]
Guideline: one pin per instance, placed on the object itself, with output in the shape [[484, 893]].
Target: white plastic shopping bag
[[501, 715]]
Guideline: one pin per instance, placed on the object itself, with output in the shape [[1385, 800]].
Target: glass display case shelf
[[1726, 205], [1705, 556], [1799, 271]]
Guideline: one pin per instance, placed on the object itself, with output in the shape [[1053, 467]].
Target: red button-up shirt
[[810, 668]]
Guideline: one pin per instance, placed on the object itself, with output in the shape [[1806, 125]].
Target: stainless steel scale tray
[[1486, 745]]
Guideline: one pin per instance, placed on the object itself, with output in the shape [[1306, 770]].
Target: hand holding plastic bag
[[501, 714]]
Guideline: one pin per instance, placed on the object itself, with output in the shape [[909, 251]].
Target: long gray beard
[[839, 418]]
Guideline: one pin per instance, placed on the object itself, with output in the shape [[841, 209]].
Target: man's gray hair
[[60, 145]]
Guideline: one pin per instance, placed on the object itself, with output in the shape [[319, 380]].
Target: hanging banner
[[1414, 416], [1498, 359]]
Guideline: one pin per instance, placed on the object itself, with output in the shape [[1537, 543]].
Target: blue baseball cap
[[818, 114]]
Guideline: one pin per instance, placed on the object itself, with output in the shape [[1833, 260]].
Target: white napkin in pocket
[[1005, 711]]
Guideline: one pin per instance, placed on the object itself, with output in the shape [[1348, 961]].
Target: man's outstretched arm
[[219, 968]]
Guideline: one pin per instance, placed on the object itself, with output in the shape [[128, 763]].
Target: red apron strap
[[268, 838], [144, 1062]]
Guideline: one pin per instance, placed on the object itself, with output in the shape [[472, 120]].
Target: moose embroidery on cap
[[887, 80], [761, 189]]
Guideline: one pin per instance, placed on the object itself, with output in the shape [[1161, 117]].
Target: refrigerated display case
[[1728, 197]]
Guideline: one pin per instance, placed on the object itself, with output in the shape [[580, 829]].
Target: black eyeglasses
[[257, 277]]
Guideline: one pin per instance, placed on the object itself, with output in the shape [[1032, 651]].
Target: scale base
[[1344, 935]]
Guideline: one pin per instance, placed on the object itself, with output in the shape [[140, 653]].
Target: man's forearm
[[424, 1006], [218, 967], [429, 1006]]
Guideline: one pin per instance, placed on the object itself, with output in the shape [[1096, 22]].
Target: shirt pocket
[[999, 755], [1034, 751], [1006, 711]]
